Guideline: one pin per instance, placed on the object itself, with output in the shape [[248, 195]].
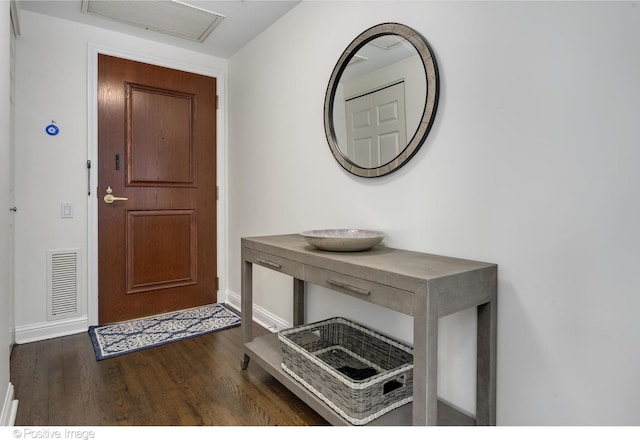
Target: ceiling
[[243, 21]]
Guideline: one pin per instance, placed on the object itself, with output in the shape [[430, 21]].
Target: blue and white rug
[[126, 337]]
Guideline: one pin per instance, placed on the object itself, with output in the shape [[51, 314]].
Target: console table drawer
[[385, 296]]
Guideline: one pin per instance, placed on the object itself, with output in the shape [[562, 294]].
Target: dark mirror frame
[[431, 101]]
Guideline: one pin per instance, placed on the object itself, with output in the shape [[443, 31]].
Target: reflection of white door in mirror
[[385, 94], [376, 126]]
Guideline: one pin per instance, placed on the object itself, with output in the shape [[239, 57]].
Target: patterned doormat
[[126, 337]]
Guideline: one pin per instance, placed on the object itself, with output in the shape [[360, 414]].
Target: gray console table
[[424, 286]]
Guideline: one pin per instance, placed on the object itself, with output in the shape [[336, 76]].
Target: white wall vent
[[63, 283]]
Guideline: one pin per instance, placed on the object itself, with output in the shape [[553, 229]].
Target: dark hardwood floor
[[196, 382]]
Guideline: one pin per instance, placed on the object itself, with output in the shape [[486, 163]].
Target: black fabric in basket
[[357, 373]]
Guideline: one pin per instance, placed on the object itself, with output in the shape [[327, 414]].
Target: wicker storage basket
[[359, 373]]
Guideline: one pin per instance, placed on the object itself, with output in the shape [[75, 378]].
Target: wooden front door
[[157, 158]]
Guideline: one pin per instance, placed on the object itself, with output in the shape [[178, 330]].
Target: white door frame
[[92, 155]]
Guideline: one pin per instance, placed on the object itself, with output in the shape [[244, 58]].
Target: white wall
[[6, 393], [52, 84], [532, 164]]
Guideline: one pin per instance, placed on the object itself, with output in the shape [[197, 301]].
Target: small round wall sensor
[[52, 129]]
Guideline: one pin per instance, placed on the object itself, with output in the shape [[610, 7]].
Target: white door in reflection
[[376, 126]]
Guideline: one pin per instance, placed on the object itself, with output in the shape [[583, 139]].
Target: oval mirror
[[381, 100]]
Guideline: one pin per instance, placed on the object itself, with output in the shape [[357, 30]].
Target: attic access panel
[[167, 17]]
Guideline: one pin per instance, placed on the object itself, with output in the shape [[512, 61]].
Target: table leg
[[298, 302], [486, 364], [425, 359], [246, 308]]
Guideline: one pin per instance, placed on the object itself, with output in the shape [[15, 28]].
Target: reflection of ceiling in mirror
[[356, 59], [378, 53], [387, 41]]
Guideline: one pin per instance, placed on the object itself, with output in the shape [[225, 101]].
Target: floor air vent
[[63, 283]]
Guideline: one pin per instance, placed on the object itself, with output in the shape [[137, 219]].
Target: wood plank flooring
[[196, 382]]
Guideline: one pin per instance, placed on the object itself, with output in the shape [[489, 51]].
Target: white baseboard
[[261, 316], [9, 408], [12, 337], [51, 329]]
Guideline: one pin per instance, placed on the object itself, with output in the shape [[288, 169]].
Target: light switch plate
[[66, 210]]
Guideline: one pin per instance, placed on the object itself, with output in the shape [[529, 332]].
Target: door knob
[[109, 198]]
